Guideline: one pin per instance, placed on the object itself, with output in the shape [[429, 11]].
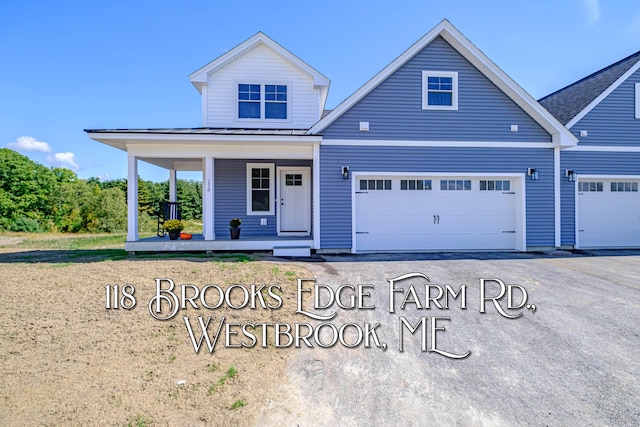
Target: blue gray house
[[440, 150], [599, 195]]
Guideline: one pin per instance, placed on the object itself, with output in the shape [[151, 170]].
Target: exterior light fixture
[[345, 172], [571, 175], [533, 173]]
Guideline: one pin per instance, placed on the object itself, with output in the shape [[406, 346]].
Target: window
[[375, 184], [455, 185], [249, 101], [415, 184], [293, 180], [253, 105], [275, 104], [625, 187], [439, 90], [590, 186], [260, 188], [495, 185]]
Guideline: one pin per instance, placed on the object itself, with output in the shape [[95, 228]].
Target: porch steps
[[295, 251]]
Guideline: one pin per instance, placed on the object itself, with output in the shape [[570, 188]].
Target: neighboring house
[[601, 202], [441, 150]]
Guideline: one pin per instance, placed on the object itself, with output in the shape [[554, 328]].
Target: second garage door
[[404, 213], [608, 212]]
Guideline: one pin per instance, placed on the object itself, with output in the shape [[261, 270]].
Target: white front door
[[294, 201]]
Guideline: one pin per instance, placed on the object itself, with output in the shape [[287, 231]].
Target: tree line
[[36, 198]]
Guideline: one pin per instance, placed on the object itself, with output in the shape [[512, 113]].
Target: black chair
[[168, 210]]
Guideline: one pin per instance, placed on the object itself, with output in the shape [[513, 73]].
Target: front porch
[[301, 245]]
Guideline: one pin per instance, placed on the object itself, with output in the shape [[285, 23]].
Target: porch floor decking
[[197, 243]]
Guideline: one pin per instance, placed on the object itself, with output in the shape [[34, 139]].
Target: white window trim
[[425, 90], [637, 100], [262, 118], [272, 181]]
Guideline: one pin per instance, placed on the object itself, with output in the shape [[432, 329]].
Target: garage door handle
[[362, 232], [362, 192], [436, 219], [509, 231]]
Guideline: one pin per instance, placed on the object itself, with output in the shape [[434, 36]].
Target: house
[[599, 195], [441, 150]]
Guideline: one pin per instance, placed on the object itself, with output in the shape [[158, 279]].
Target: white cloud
[[65, 160], [593, 10], [29, 143]]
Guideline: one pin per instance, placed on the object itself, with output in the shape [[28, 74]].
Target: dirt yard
[[67, 360]]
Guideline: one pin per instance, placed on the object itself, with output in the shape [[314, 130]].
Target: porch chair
[[168, 210]]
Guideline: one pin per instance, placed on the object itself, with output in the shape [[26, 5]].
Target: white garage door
[[608, 213], [404, 213]]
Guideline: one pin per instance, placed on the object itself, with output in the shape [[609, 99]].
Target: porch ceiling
[[175, 164]]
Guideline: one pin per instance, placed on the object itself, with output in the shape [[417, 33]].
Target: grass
[[140, 421], [238, 404], [66, 248], [230, 374]]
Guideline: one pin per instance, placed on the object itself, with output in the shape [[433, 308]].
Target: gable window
[[258, 101], [275, 102], [439, 90], [248, 101], [260, 188]]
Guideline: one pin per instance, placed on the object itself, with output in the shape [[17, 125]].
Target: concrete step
[[297, 251]]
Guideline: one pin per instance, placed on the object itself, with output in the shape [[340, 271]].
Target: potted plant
[[173, 227], [235, 228]]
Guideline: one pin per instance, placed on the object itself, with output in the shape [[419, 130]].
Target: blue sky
[[70, 65]]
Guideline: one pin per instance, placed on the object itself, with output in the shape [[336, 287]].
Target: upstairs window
[[248, 101], [256, 101], [275, 102], [439, 90]]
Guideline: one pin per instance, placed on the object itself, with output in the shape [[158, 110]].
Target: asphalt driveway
[[574, 360]]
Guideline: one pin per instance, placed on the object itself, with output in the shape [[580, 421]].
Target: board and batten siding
[[394, 108], [335, 193], [613, 120], [231, 197], [589, 163], [261, 66]]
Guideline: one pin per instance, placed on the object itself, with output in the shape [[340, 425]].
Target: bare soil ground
[[67, 360]]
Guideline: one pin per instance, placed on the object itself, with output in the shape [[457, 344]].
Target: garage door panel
[[438, 216], [608, 217]]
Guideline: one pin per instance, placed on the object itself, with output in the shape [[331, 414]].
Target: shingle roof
[[568, 102]]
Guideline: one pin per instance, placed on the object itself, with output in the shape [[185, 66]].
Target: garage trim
[[518, 182], [583, 177]]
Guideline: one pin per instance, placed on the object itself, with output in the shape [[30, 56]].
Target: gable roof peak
[[445, 29], [199, 77]]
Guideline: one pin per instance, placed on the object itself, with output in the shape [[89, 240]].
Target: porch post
[[132, 199], [173, 194], [315, 202], [208, 195]]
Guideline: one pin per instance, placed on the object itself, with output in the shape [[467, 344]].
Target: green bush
[[28, 225]]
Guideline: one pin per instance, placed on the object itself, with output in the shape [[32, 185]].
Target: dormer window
[[439, 90], [262, 101]]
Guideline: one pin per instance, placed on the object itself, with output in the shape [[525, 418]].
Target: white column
[[316, 196], [556, 197], [208, 195], [173, 193], [132, 199]]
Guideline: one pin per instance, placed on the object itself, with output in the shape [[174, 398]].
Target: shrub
[[29, 225]]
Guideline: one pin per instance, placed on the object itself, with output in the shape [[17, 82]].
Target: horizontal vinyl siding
[[613, 122], [261, 66], [394, 108], [589, 163], [335, 193], [231, 197]]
